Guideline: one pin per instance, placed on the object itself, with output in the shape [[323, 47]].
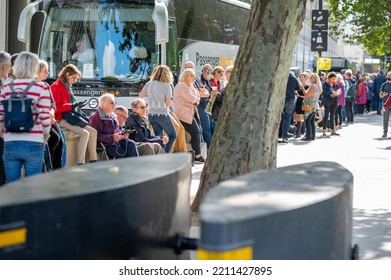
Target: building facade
[[303, 57]]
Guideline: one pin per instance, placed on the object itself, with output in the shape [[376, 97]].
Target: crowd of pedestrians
[[171, 110], [334, 99], [312, 103]]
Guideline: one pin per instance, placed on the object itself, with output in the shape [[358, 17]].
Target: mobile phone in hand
[[128, 131], [83, 103]]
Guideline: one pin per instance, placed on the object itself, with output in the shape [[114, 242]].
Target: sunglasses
[[143, 107], [208, 70]]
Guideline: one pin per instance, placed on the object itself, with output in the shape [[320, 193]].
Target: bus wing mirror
[[25, 18], [160, 17]]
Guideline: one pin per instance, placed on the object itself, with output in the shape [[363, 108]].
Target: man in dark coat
[[377, 102], [292, 87]]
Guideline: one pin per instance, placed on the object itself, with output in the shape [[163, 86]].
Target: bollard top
[[266, 192]]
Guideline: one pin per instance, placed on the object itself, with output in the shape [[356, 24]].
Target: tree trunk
[[246, 136]]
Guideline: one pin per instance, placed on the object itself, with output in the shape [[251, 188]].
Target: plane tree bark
[[245, 139]]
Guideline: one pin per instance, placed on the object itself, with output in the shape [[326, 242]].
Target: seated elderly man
[[105, 122], [145, 146]]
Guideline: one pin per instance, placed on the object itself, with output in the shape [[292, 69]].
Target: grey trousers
[[145, 149], [386, 117]]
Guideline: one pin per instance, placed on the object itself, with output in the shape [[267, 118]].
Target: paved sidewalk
[[360, 149]]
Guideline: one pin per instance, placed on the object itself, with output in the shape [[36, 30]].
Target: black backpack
[[18, 110], [351, 92]]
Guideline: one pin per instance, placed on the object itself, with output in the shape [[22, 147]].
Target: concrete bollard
[[130, 208], [296, 212]]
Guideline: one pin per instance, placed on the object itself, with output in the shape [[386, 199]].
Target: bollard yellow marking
[[13, 237], [245, 253]]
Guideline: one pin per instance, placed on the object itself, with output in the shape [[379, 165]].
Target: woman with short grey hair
[[136, 102], [26, 148]]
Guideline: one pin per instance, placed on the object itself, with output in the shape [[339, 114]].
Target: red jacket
[[62, 97], [387, 103], [361, 93]]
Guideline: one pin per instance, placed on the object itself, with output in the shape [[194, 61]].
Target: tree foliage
[[370, 22]]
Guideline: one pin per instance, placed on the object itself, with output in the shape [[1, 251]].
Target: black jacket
[[142, 132], [217, 105], [292, 86]]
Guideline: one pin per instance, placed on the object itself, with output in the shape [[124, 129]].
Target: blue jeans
[[163, 123], [287, 117], [375, 102], [380, 104], [310, 126], [207, 124], [22, 153]]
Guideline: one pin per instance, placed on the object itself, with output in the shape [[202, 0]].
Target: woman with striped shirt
[[26, 148]]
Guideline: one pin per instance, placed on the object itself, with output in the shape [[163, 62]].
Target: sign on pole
[[320, 19], [324, 63], [319, 41], [319, 34]]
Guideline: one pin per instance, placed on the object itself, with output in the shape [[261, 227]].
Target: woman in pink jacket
[[361, 99], [341, 101], [185, 101]]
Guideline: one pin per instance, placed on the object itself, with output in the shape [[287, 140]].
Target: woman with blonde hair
[[311, 97], [159, 93], [65, 102], [185, 102]]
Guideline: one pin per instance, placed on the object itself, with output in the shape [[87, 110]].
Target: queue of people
[[339, 97], [192, 106], [171, 110]]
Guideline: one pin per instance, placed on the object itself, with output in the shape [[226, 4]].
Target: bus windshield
[[105, 43]]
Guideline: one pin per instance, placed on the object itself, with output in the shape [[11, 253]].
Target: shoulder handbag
[[76, 118], [307, 108]]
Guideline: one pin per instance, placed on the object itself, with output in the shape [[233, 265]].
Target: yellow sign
[[324, 63], [13, 237], [245, 253]]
